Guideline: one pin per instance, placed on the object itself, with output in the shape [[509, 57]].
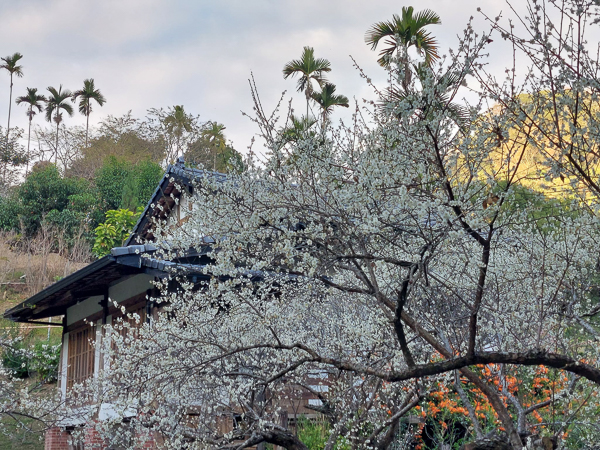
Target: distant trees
[[309, 70], [45, 190], [177, 124], [211, 150], [11, 65], [86, 95], [161, 136], [122, 184], [327, 99], [54, 104], [12, 157], [34, 101]]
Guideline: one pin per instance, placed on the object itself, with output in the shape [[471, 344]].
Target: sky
[[200, 54]]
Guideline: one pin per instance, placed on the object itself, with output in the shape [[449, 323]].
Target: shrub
[[16, 359], [122, 184], [10, 210], [42, 357], [45, 190], [114, 231], [45, 360]]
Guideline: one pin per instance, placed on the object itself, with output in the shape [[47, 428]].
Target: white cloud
[[199, 53]]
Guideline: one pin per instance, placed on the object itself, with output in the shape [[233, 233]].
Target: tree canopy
[[388, 260]]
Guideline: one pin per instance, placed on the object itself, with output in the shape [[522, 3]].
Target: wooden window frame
[[81, 356]]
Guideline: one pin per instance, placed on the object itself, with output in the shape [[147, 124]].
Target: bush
[[125, 185], [45, 190], [10, 210], [45, 360], [23, 360], [114, 231], [313, 434], [16, 360]]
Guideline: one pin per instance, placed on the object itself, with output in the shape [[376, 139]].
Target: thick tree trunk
[[283, 439]]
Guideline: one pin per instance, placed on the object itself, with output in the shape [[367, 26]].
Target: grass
[[14, 437]]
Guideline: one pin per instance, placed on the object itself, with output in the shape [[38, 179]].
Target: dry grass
[[33, 265]]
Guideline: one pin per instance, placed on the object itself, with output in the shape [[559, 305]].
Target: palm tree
[[87, 94], [444, 89], [32, 99], [405, 31], [176, 123], [327, 99], [10, 64], [216, 138], [298, 128], [309, 69], [54, 104]]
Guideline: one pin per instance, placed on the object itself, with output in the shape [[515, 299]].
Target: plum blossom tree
[[384, 259]]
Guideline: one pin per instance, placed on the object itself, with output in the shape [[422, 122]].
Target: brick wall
[[92, 439], [56, 439]]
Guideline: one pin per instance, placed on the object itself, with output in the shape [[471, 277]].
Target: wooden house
[[85, 300]]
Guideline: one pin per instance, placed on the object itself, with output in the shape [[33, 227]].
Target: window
[[81, 355], [129, 318]]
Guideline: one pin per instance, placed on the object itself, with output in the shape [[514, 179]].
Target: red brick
[[56, 439]]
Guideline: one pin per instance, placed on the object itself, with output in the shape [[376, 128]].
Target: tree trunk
[[8, 128], [9, 107], [56, 143], [28, 142], [307, 100], [87, 127]]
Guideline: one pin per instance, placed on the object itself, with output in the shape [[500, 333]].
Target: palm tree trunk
[[87, 126], [56, 145], [8, 128], [307, 98], [9, 107], [28, 142]]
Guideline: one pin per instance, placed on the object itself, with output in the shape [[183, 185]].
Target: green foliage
[[147, 175], [69, 225], [16, 360], [45, 360], [110, 180], [122, 184], [211, 151], [46, 190], [313, 434], [42, 357], [114, 231], [10, 210]]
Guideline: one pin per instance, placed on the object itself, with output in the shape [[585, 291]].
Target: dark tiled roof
[[95, 278], [176, 174]]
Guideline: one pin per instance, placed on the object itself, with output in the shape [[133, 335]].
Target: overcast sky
[[199, 53]]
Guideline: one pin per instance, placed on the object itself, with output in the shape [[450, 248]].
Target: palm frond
[[308, 68], [56, 101], [377, 32], [87, 94], [406, 28], [10, 64], [426, 17]]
